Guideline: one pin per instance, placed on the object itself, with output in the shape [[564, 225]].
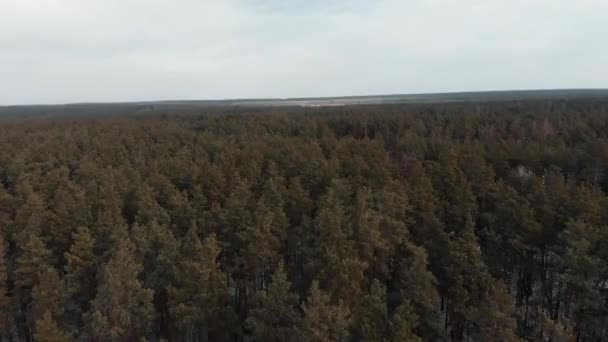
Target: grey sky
[[56, 51]]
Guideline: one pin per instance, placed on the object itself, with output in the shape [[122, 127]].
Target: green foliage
[[336, 262], [48, 295], [48, 331], [5, 301], [324, 321], [370, 319], [198, 298], [122, 308], [403, 324], [80, 272], [496, 319], [274, 316]]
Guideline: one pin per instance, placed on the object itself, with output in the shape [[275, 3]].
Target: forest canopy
[[429, 222]]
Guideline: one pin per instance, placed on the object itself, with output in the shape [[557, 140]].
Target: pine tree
[[324, 321], [180, 212], [457, 201], [48, 295], [426, 229], [48, 331], [69, 210], [122, 308], [479, 173], [33, 260], [496, 321], [265, 238], [30, 218], [110, 226], [143, 207], [5, 300], [156, 248], [393, 224], [297, 201], [298, 210], [80, 272], [334, 256], [235, 219], [198, 298], [274, 316], [366, 229], [415, 285], [583, 266], [403, 324], [370, 319], [467, 280]]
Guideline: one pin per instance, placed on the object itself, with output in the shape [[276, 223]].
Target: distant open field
[[435, 97]]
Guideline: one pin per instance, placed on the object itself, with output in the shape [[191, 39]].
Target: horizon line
[[305, 98]]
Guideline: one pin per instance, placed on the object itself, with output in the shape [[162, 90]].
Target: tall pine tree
[[122, 308]]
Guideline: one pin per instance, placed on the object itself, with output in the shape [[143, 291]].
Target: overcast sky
[[58, 51]]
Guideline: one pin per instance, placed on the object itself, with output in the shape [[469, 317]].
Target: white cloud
[[113, 50]]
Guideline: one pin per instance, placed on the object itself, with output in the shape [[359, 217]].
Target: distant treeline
[[422, 222], [224, 106]]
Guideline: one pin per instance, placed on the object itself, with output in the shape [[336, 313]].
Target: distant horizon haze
[[430, 98]]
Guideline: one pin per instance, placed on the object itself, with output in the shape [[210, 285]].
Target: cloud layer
[[125, 50]]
